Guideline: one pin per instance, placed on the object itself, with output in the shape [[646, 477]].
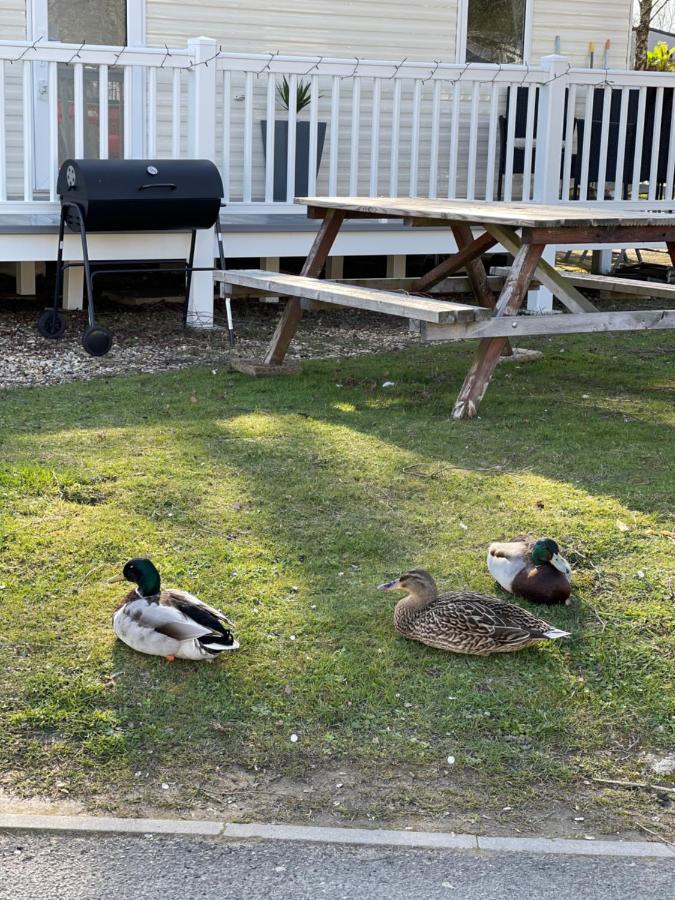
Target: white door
[[116, 23]]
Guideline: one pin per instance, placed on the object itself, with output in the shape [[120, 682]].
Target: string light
[[26, 50]]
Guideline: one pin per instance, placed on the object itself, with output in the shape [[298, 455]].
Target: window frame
[[461, 32]]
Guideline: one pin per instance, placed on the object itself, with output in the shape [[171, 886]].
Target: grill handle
[[146, 187]]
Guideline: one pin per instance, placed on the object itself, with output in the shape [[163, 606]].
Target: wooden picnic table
[[523, 229]]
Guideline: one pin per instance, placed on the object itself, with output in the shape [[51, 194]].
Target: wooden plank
[[476, 273], [344, 294], [566, 323], [573, 299], [456, 284], [599, 234], [290, 319], [490, 349], [631, 286], [458, 260], [318, 212], [517, 215]]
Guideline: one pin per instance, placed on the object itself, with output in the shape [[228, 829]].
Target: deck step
[[409, 306]]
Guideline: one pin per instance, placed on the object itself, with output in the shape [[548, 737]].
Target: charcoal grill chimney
[[110, 195]]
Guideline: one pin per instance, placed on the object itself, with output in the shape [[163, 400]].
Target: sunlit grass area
[[286, 502]]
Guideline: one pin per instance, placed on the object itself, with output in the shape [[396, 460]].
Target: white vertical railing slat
[[78, 106], [586, 143], [53, 127], [175, 113], [415, 138], [3, 131], [568, 141], [127, 112], [270, 129], [656, 145], [492, 143], [356, 123], [313, 134], [604, 142], [334, 136], [454, 139], [375, 136], [28, 147], [473, 143], [151, 114], [103, 112], [510, 139], [248, 138], [529, 142], [621, 147], [292, 134], [395, 137], [435, 139], [639, 133], [226, 170]]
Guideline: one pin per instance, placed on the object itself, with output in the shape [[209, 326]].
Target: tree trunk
[[642, 34]]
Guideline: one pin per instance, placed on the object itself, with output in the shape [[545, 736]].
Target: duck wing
[[517, 548], [160, 615], [194, 612], [483, 612]]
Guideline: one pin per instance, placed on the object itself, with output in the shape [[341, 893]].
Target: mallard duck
[[531, 569], [463, 621], [168, 623]]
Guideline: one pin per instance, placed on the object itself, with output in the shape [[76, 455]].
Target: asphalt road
[[96, 867]]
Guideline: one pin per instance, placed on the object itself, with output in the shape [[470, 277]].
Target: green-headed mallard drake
[[168, 623], [531, 569], [462, 621]]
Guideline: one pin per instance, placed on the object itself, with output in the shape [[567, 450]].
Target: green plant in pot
[[303, 97]]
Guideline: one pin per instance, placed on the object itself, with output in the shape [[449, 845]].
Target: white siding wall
[[578, 22], [384, 29], [12, 19]]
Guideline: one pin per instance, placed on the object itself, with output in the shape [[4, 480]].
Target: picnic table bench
[[523, 229]]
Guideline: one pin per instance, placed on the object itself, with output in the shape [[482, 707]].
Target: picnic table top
[[516, 215]]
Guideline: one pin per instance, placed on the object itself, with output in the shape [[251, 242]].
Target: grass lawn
[[287, 501]]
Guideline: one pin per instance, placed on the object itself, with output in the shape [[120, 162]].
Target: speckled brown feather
[[468, 622]]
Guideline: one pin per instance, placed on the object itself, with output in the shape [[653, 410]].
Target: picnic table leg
[[472, 249], [486, 358], [292, 314], [477, 274]]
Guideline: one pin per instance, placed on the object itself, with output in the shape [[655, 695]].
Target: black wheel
[[97, 340], [51, 324]]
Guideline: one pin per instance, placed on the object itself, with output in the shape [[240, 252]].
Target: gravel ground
[[151, 339]]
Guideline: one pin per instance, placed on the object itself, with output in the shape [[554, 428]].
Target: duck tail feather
[[554, 633]]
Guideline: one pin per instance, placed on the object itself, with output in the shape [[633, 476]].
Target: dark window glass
[[495, 31], [93, 21]]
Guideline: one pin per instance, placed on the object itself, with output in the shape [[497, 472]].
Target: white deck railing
[[373, 126]]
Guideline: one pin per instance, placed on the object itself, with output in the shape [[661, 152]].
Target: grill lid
[[141, 194]]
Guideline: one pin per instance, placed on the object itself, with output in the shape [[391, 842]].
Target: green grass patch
[[287, 501]]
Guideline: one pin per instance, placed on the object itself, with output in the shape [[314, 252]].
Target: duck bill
[[115, 578], [561, 564], [388, 585]]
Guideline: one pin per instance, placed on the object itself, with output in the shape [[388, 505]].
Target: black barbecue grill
[[132, 195]]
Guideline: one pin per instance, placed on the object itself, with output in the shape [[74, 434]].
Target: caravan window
[[495, 31]]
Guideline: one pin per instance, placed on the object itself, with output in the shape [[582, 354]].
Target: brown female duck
[[463, 621], [531, 569]]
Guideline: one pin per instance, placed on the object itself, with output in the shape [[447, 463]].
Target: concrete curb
[[429, 840]]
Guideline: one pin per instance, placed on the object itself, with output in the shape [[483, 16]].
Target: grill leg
[[231, 337], [188, 275], [58, 287]]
